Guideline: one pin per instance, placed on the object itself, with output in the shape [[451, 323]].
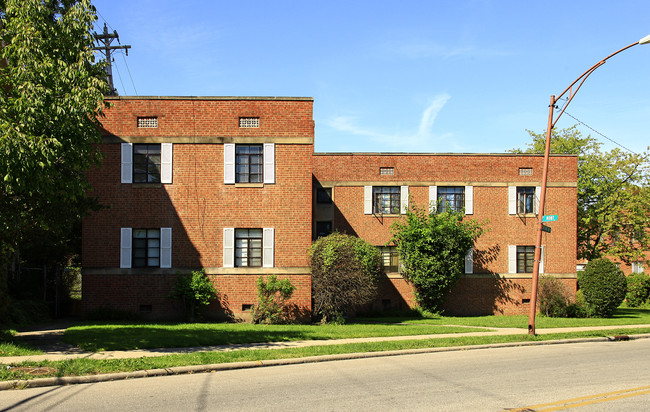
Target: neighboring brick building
[[370, 191], [232, 185]]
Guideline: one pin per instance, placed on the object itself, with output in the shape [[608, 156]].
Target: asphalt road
[[602, 376]]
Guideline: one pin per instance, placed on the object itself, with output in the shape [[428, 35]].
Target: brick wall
[[490, 289], [197, 205]]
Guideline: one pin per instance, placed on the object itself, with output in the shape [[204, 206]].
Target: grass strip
[[81, 367], [622, 316], [108, 337]]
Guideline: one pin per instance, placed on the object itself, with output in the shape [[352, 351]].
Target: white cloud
[[421, 139]]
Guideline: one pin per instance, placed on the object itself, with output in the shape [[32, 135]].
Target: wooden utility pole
[[106, 39]]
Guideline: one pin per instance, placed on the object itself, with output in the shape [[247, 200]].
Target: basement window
[[249, 122], [148, 122]]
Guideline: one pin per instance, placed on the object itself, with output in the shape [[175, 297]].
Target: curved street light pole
[[542, 198]]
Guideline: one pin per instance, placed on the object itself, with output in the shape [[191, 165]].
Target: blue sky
[[463, 76]]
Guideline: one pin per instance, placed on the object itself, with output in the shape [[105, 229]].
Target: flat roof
[[280, 98], [437, 154]]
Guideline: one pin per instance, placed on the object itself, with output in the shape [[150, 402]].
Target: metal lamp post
[[542, 198]]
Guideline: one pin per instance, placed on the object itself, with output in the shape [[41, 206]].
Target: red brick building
[[370, 191], [232, 185]]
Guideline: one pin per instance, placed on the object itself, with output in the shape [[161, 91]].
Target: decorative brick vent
[[248, 122], [525, 171], [387, 171], [148, 122]]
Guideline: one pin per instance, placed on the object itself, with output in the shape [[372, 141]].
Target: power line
[[129, 71], [596, 131]]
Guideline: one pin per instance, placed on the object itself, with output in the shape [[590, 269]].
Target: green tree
[[345, 271], [613, 195], [603, 286], [51, 96], [432, 249]]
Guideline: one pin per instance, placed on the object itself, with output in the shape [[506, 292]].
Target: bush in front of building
[[273, 296], [432, 249], [638, 289], [345, 273], [604, 287], [552, 297], [195, 291]]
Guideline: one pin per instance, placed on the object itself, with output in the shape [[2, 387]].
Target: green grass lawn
[[116, 336], [622, 316], [81, 366]]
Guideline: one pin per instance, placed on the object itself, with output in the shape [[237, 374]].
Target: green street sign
[[546, 229]]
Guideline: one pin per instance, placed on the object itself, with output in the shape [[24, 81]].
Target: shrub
[[195, 291], [345, 272], [638, 289], [553, 297], [604, 287], [432, 249], [273, 295]]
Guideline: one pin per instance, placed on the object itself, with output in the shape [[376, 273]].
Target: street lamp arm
[[542, 197], [580, 80]]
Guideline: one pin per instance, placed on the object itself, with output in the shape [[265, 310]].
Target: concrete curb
[[180, 370]]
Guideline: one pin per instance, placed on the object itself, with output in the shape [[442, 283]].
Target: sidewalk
[[69, 352], [57, 350]]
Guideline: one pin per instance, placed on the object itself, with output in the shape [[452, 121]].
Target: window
[[392, 200], [525, 200], [147, 122], [146, 248], [386, 200], [324, 195], [249, 122], [457, 198], [248, 247], [323, 228], [249, 163], [451, 198], [147, 163], [525, 259], [637, 267], [390, 258]]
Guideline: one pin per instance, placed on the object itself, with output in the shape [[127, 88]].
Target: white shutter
[[127, 162], [541, 260], [166, 157], [512, 200], [228, 247], [229, 163], [125, 247], [404, 199], [469, 261], [367, 200], [269, 162], [433, 199], [165, 247], [268, 243], [538, 192], [512, 258], [469, 200]]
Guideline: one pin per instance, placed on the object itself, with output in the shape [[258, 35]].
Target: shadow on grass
[[126, 337], [631, 313]]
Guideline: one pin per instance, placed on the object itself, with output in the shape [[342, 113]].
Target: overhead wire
[[599, 133]]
